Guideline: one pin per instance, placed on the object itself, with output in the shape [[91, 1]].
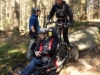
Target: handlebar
[[58, 24]]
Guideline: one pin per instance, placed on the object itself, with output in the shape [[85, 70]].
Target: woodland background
[[14, 21], [15, 14]]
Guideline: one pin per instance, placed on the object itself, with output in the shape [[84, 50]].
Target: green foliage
[[15, 33], [24, 45], [10, 54], [7, 23], [78, 25]]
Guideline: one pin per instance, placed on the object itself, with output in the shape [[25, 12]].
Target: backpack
[[60, 13]]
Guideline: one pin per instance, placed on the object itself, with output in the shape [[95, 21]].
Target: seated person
[[43, 51]]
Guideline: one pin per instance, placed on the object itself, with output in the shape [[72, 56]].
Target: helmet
[[43, 31], [34, 10]]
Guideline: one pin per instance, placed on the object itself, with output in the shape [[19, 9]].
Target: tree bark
[[17, 17], [1, 5], [99, 8]]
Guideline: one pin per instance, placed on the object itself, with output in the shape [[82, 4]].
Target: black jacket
[[68, 11], [45, 50], [45, 44]]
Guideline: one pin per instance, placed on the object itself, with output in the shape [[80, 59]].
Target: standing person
[[63, 14], [33, 29]]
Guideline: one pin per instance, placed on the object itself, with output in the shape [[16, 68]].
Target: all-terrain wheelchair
[[62, 54], [51, 66]]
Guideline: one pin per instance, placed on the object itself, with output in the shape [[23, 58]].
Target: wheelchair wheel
[[18, 68], [62, 51], [53, 73], [74, 53]]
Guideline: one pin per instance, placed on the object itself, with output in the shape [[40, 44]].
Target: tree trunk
[[16, 17], [99, 8], [6, 2], [1, 27]]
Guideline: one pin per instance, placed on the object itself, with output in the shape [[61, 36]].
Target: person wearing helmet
[[33, 30], [64, 12], [45, 49]]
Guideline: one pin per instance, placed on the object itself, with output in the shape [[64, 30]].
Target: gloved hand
[[69, 24]]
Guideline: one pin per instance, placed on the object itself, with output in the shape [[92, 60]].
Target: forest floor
[[87, 64], [13, 50]]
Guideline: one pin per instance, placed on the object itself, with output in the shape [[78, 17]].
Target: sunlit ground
[[14, 51], [82, 67]]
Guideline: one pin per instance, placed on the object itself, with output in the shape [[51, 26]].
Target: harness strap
[[50, 44], [41, 47]]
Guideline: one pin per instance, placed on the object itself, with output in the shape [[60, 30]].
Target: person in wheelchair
[[44, 50]]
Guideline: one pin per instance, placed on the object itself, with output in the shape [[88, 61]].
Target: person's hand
[[37, 53], [33, 31], [32, 28], [69, 24]]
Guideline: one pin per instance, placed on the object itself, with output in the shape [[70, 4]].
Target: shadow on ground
[[87, 64]]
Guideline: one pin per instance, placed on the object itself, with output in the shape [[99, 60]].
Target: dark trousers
[[65, 30], [65, 35], [32, 34]]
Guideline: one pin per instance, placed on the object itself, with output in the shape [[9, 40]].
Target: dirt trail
[[5, 36], [87, 64]]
